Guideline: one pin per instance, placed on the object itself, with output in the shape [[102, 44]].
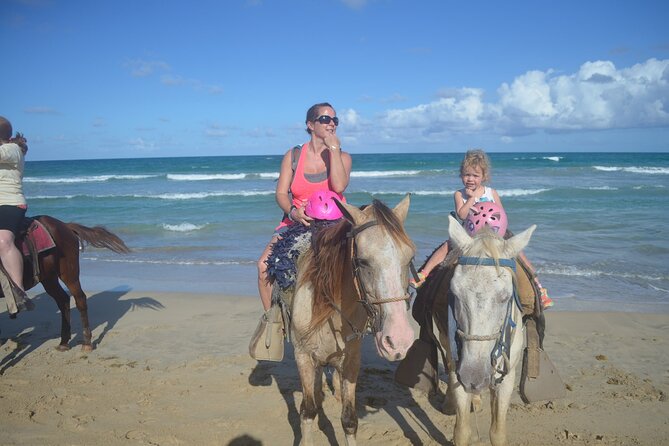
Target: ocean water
[[198, 224]]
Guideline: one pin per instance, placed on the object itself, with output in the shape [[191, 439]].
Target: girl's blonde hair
[[477, 158]]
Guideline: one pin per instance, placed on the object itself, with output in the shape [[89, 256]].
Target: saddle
[[267, 341], [34, 238], [419, 369]]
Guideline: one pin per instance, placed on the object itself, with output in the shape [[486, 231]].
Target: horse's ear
[[402, 208], [458, 234], [518, 242], [351, 213]]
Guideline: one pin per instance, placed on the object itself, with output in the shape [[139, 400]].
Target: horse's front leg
[[463, 402], [71, 280], [311, 376], [500, 397], [53, 288], [349, 379]]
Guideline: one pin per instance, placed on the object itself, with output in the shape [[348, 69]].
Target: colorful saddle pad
[[39, 236]]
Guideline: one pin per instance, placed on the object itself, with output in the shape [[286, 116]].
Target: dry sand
[[174, 370]]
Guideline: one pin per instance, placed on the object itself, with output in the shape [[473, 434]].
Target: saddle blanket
[[39, 236]]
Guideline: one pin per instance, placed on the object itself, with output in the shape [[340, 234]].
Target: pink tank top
[[301, 189]]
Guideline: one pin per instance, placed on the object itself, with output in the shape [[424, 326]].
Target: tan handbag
[[267, 341]]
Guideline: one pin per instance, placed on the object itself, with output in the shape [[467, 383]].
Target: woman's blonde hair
[[477, 158]]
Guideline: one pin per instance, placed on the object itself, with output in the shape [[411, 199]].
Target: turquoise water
[[199, 224]]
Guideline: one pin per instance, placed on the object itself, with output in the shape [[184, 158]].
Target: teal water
[[199, 224]]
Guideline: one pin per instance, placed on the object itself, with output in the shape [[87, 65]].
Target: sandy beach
[[173, 369]]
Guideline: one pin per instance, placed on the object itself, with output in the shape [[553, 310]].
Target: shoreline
[[240, 280], [173, 368]]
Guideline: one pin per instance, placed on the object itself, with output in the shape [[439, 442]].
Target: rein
[[367, 300], [502, 348]]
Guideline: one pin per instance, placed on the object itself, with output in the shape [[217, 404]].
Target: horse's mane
[[486, 244], [329, 258]]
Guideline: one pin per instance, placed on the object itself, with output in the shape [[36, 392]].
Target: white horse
[[485, 335], [355, 276]]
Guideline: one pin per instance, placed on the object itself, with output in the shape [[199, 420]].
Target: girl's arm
[[462, 208], [497, 199]]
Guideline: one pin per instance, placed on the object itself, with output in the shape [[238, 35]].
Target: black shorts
[[11, 218]]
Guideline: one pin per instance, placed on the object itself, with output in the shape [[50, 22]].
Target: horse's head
[[482, 300], [382, 253]]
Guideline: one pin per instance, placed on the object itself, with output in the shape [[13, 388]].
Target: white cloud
[[598, 96], [355, 4], [42, 110], [143, 68], [140, 144]]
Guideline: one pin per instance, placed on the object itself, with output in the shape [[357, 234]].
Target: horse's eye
[[363, 263]]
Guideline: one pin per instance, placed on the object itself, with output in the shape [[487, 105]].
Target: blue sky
[[147, 78]]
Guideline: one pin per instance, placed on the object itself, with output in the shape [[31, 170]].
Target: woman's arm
[[10, 153], [340, 164], [340, 170], [282, 194]]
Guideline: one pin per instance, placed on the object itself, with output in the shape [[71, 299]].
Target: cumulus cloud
[[142, 145], [598, 96], [145, 68], [41, 110], [355, 4]]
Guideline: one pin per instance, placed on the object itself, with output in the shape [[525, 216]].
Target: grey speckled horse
[[485, 337]]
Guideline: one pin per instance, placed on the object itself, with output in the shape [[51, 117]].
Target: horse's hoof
[[87, 348], [63, 348]]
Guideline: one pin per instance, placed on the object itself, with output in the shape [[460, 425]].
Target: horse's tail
[[99, 236]]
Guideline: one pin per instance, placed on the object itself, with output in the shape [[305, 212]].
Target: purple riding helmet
[[486, 213], [321, 205]]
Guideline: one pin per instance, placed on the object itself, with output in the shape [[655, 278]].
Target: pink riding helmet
[[486, 213], [321, 206]]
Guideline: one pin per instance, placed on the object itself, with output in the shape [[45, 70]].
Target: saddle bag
[[539, 379], [267, 342]]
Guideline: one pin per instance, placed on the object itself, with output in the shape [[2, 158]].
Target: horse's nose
[[388, 341], [474, 379]]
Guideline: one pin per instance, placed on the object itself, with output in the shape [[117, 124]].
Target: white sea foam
[[51, 197], [183, 227], [87, 179], [584, 272], [169, 262], [169, 196], [404, 192], [205, 177], [201, 195], [553, 158], [269, 175], [601, 188], [632, 169], [381, 173], [519, 192]]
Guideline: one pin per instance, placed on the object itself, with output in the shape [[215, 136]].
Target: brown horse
[[62, 262]]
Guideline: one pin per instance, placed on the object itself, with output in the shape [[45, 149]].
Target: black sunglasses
[[325, 119]]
